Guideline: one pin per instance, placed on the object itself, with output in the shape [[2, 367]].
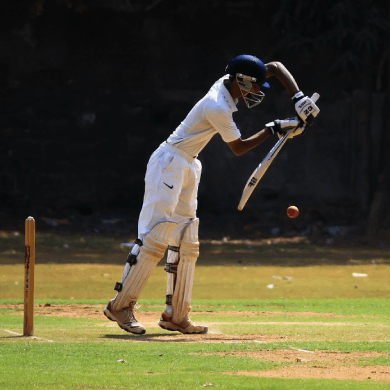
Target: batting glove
[[306, 109], [280, 127], [300, 130]]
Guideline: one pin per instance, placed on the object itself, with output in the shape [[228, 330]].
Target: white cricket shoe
[[124, 318], [185, 327]]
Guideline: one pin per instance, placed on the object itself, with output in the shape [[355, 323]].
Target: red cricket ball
[[292, 212]]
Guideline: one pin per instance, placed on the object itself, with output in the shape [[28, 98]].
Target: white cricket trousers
[[171, 189]]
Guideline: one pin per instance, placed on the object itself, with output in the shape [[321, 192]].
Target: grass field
[[317, 327]]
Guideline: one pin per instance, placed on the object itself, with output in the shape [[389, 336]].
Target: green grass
[[84, 355], [380, 361], [319, 307], [127, 379]]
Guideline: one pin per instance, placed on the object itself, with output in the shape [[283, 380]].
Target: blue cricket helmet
[[250, 66]]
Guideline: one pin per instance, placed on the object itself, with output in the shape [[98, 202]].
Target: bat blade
[[259, 172]]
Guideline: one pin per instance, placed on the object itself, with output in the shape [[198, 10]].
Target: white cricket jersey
[[212, 114]]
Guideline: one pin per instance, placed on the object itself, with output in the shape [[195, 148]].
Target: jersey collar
[[227, 97]]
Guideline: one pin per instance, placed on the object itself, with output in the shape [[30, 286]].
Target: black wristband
[[298, 96]]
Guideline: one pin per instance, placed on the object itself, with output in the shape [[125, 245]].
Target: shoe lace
[[187, 321], [129, 317], [130, 312], [134, 306]]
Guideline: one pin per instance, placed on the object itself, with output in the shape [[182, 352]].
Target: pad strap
[[171, 268], [132, 258]]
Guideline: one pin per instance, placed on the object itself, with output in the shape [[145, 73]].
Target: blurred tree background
[[89, 88]]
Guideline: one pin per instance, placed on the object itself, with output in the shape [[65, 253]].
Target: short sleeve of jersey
[[223, 122]]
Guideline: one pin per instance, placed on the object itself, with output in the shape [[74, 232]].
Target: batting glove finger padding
[[305, 107]]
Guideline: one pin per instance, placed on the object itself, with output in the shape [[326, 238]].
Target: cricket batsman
[[168, 216]]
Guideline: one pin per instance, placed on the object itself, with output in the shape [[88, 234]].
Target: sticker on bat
[[252, 182]]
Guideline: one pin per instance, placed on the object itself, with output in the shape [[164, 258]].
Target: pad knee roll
[[151, 252]]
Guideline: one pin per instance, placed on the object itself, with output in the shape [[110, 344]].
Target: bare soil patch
[[317, 365], [281, 313], [358, 373], [149, 319], [85, 311], [303, 356]]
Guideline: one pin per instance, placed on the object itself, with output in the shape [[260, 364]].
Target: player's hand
[[280, 127], [305, 107]]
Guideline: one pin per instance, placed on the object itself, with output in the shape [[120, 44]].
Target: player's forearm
[[278, 70], [241, 146]]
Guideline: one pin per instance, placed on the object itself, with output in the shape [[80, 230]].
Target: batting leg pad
[[189, 252], [150, 253]]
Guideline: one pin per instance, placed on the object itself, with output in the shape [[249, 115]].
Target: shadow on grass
[[135, 337], [176, 337]]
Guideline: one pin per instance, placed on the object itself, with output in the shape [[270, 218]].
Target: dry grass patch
[[358, 373], [316, 364], [302, 356]]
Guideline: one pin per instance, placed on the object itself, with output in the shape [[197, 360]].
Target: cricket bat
[[259, 172]]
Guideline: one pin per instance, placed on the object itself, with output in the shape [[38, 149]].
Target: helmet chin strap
[[251, 99]]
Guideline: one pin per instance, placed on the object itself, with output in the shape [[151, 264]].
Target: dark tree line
[[355, 37], [93, 86]]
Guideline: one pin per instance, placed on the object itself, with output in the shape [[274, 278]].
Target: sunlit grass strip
[[96, 281]]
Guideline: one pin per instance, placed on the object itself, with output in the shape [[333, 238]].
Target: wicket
[[29, 263]]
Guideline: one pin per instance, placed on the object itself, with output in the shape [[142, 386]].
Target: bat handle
[[309, 120]]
